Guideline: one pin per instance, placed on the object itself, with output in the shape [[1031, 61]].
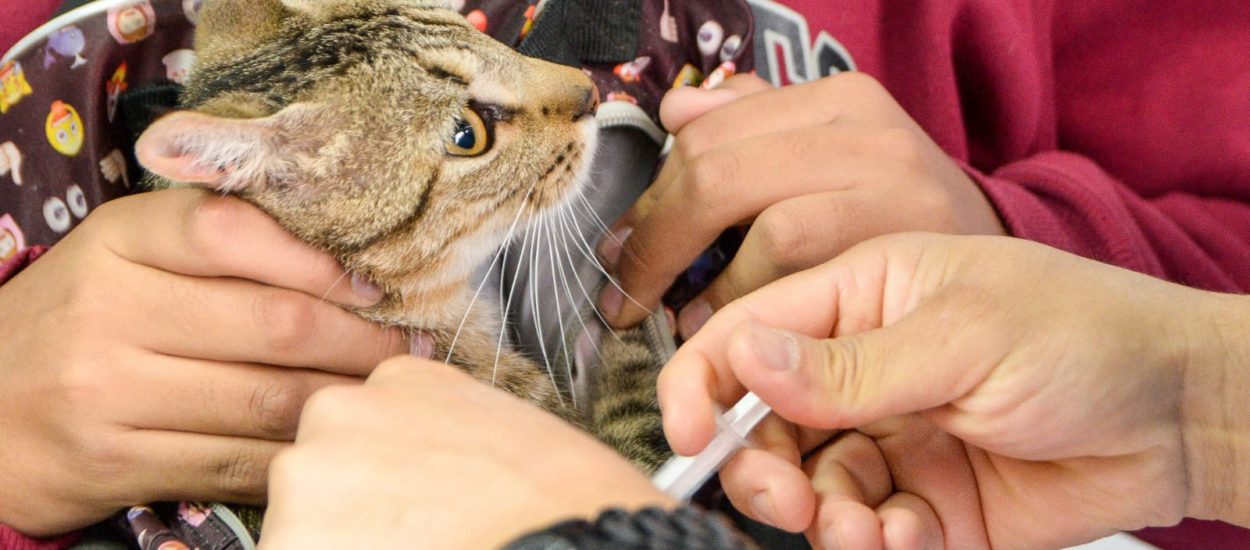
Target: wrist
[[1215, 409]]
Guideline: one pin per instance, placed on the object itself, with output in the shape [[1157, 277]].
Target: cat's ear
[[227, 154]]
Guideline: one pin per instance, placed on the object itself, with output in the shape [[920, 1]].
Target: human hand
[[1016, 397], [813, 168], [422, 452], [162, 351]]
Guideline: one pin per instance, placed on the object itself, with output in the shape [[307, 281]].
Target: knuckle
[[839, 371], [208, 227], [276, 407], [285, 319], [901, 146], [242, 471], [710, 180], [102, 456], [80, 384], [783, 238], [329, 404], [693, 141]]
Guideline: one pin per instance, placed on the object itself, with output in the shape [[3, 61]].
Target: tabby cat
[[397, 137]]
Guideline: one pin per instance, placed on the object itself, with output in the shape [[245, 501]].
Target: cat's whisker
[[486, 277], [588, 252], [594, 217], [335, 285], [594, 307], [568, 291], [537, 314], [503, 321], [568, 366]]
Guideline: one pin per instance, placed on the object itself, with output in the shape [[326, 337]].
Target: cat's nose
[[590, 103]]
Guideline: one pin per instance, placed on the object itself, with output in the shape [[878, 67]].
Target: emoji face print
[[64, 128], [689, 76], [13, 85], [731, 47], [77, 201], [131, 23], [711, 36], [11, 239], [56, 214], [60, 214], [178, 64], [192, 10], [65, 43], [114, 88]]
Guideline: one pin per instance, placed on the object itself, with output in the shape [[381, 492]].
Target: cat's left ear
[[228, 154]]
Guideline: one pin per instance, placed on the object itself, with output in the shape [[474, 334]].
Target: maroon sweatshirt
[[1115, 129]]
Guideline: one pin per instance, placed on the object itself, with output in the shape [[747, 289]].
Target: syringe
[[682, 476]]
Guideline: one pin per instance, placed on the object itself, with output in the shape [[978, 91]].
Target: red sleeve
[[12, 540], [1067, 201], [22, 16]]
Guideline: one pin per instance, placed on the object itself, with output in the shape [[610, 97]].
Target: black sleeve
[[651, 528]]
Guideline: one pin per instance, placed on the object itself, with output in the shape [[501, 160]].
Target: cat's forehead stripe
[[302, 57]]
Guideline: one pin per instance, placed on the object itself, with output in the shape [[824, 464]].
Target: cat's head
[[389, 132]]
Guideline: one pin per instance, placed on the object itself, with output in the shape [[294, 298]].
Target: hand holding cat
[[813, 168], [1003, 394], [423, 455], [163, 351]]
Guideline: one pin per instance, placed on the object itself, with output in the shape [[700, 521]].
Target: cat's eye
[[471, 137]]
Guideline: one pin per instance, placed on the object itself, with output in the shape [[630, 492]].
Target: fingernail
[[611, 245], [422, 345], [693, 317], [365, 288], [610, 301], [762, 505], [776, 349]]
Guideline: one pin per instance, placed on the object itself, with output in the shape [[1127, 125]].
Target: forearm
[[1216, 410]]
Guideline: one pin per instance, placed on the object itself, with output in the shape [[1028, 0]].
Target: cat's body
[[359, 125]]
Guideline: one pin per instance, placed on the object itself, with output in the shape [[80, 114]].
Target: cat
[[397, 137]]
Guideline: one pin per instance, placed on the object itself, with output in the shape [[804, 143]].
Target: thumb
[[853, 380], [683, 105]]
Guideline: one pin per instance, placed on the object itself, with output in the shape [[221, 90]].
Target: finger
[[720, 189], [683, 105], [862, 378], [772, 112], [770, 489], [786, 238], [850, 478], [908, 522], [183, 466], [850, 467], [935, 466], [194, 232], [232, 320], [699, 377], [227, 399]]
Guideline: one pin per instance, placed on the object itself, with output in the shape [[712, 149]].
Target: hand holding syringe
[[682, 476]]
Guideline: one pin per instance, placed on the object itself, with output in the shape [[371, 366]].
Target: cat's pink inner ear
[[196, 148]]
